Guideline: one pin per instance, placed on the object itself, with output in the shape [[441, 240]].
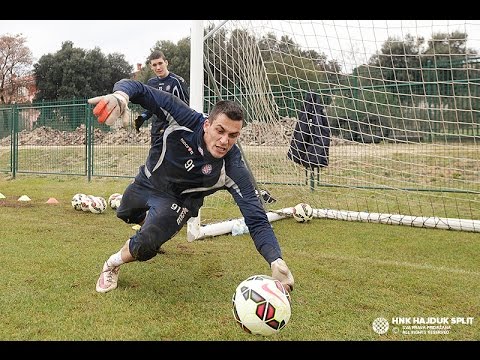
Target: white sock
[[115, 260]]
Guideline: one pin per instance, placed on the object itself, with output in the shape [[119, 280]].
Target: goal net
[[364, 120]]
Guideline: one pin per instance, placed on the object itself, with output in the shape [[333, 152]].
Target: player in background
[[195, 157], [167, 81]]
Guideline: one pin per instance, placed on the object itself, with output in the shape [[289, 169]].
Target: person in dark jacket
[[167, 81], [310, 142], [195, 157]]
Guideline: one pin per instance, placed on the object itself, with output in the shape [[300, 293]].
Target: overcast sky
[[133, 38]]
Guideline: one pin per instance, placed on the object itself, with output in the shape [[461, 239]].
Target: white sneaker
[[108, 278]]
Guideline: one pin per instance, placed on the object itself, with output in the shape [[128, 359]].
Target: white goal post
[[365, 120]]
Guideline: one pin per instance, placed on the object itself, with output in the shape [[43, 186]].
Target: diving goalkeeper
[[195, 157]]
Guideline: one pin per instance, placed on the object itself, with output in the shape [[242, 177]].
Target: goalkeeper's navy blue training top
[[179, 164], [171, 83]]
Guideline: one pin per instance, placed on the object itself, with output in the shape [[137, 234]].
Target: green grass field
[[347, 275]]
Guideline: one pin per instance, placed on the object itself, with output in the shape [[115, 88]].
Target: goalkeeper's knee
[[131, 218]]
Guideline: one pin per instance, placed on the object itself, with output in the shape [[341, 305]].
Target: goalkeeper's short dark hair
[[228, 107], [156, 54]]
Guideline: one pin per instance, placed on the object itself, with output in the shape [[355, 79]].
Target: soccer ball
[[112, 200], [97, 205], [86, 200], [302, 212], [116, 202], [77, 201], [261, 305]]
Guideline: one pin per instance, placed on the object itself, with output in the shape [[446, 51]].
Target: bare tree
[[15, 63]]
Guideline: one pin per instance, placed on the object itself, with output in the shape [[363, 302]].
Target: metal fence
[[63, 137]]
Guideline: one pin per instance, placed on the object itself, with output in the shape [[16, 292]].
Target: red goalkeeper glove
[[109, 108]]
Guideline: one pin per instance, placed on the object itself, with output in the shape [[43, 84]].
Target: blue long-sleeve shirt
[[180, 164], [171, 83]]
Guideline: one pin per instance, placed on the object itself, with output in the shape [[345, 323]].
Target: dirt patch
[[46, 136], [255, 133]]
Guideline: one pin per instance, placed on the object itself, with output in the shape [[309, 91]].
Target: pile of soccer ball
[[261, 305], [95, 204], [302, 212]]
